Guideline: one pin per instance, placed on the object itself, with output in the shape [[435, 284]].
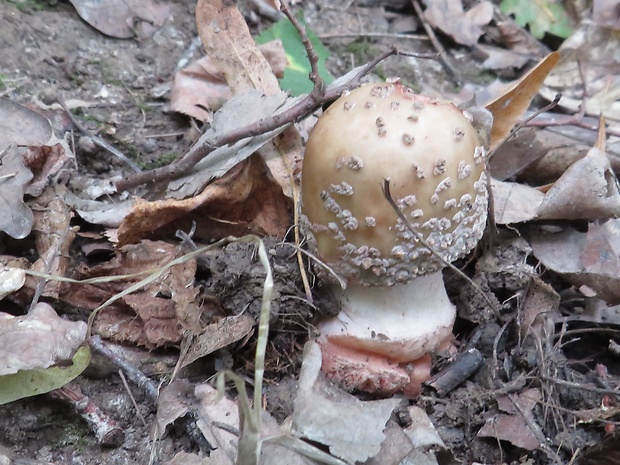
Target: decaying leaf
[[351, 428], [242, 110], [154, 315], [15, 216], [53, 237], [123, 19], [39, 339], [508, 108], [27, 383], [227, 40], [200, 88], [514, 202], [21, 126], [246, 200], [449, 17], [588, 73], [512, 426], [584, 259], [587, 190]]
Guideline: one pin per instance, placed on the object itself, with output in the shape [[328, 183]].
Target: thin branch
[[98, 140], [443, 57], [319, 84], [420, 237], [287, 117]]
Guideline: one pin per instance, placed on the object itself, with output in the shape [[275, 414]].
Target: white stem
[[401, 322]]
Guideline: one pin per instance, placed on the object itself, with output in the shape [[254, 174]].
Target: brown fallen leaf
[[511, 426], [200, 88], [227, 40], [508, 108], [449, 17], [54, 236], [123, 19], [584, 259], [39, 339], [244, 201], [587, 190], [153, 316]]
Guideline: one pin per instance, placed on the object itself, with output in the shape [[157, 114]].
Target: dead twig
[[98, 140], [420, 237], [443, 57], [107, 432], [134, 375], [285, 118]]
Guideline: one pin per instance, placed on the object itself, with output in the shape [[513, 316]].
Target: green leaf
[[296, 79], [542, 16], [27, 383]]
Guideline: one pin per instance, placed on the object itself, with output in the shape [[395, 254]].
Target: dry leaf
[[227, 40], [21, 126], [39, 339], [200, 88], [508, 108], [584, 259], [588, 73], [153, 316], [16, 217], [244, 201], [123, 19], [464, 28], [513, 427], [352, 429], [540, 301], [53, 237], [587, 190], [515, 203]]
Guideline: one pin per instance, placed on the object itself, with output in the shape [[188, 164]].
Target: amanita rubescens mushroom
[[395, 310]]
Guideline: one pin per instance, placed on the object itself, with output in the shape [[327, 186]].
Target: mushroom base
[[381, 340], [373, 373]]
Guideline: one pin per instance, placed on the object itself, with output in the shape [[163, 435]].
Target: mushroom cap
[[434, 161]]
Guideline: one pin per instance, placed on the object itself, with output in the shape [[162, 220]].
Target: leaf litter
[[147, 289]]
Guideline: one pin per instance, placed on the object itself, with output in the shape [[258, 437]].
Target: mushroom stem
[[380, 331]]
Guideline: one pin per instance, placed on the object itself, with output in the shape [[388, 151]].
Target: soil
[[49, 53]]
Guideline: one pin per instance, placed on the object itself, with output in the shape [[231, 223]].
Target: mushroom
[[394, 311]]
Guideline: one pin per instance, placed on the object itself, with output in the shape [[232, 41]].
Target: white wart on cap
[[433, 159]]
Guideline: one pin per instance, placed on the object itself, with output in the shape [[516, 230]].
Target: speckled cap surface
[[434, 161]]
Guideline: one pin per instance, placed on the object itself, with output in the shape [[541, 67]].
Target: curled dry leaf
[[39, 339], [152, 316], [584, 259], [587, 190], [449, 17], [201, 88], [508, 108], [352, 429], [245, 201], [123, 19], [587, 73]]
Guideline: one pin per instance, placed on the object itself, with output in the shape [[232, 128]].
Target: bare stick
[[418, 235], [107, 432], [98, 140], [319, 85], [287, 117], [433, 38], [135, 375]]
